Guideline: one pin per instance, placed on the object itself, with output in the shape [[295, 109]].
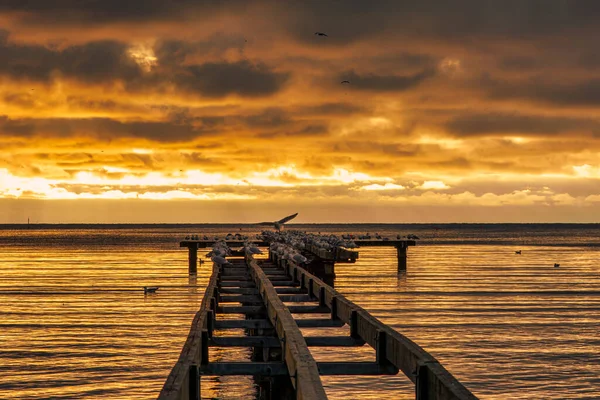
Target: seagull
[[150, 289], [220, 261], [345, 82], [321, 34], [518, 252], [278, 225]]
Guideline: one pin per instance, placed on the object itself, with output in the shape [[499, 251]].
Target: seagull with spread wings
[[278, 225]]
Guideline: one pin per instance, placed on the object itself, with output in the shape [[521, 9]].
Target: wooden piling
[[192, 258], [401, 250]]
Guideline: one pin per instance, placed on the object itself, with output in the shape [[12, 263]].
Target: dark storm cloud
[[103, 11], [102, 129], [270, 118], [220, 79], [519, 63], [328, 109], [485, 124], [175, 52], [107, 61], [345, 21], [385, 83], [351, 20], [92, 62], [557, 92]]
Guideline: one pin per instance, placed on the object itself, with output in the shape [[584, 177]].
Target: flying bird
[[278, 225], [321, 34], [518, 252], [345, 82]]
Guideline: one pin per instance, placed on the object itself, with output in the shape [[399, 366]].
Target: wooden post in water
[[193, 258], [401, 248]]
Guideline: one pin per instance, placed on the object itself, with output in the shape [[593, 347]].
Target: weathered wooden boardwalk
[[264, 293]]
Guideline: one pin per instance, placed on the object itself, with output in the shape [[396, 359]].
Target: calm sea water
[[74, 321]]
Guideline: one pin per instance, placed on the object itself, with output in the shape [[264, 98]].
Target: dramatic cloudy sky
[[222, 111]]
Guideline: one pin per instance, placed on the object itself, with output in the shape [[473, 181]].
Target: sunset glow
[[244, 102]]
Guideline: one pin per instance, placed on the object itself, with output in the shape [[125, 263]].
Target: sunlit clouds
[[214, 102]]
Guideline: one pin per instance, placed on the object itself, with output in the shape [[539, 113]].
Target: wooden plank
[[355, 368], [241, 309], [308, 309], [290, 290], [243, 323], [241, 298], [294, 297], [319, 323], [333, 341], [381, 243], [235, 284], [276, 368], [245, 341], [227, 290], [300, 363], [203, 244]]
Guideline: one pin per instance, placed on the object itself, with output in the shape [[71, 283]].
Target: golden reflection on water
[[75, 322]]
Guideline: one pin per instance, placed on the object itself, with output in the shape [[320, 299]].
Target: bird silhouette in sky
[[321, 34], [278, 225], [345, 82]]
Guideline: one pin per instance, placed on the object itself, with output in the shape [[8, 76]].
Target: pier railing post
[[421, 384], [193, 258], [401, 248], [194, 382]]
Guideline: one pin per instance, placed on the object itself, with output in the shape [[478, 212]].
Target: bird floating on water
[[150, 289], [321, 34], [556, 265], [278, 225]]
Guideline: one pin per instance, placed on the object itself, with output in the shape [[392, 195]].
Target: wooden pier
[[327, 257], [282, 361]]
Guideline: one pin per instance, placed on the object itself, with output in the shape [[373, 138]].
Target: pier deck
[[339, 255], [265, 292]]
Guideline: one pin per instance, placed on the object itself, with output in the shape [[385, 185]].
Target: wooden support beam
[[242, 298], [276, 368], [245, 341], [228, 290], [294, 297], [243, 323], [241, 309], [290, 290], [284, 283], [237, 284], [319, 323], [300, 364], [355, 368], [333, 341], [308, 309]]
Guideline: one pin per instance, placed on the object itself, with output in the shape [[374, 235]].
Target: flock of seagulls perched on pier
[[289, 245]]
